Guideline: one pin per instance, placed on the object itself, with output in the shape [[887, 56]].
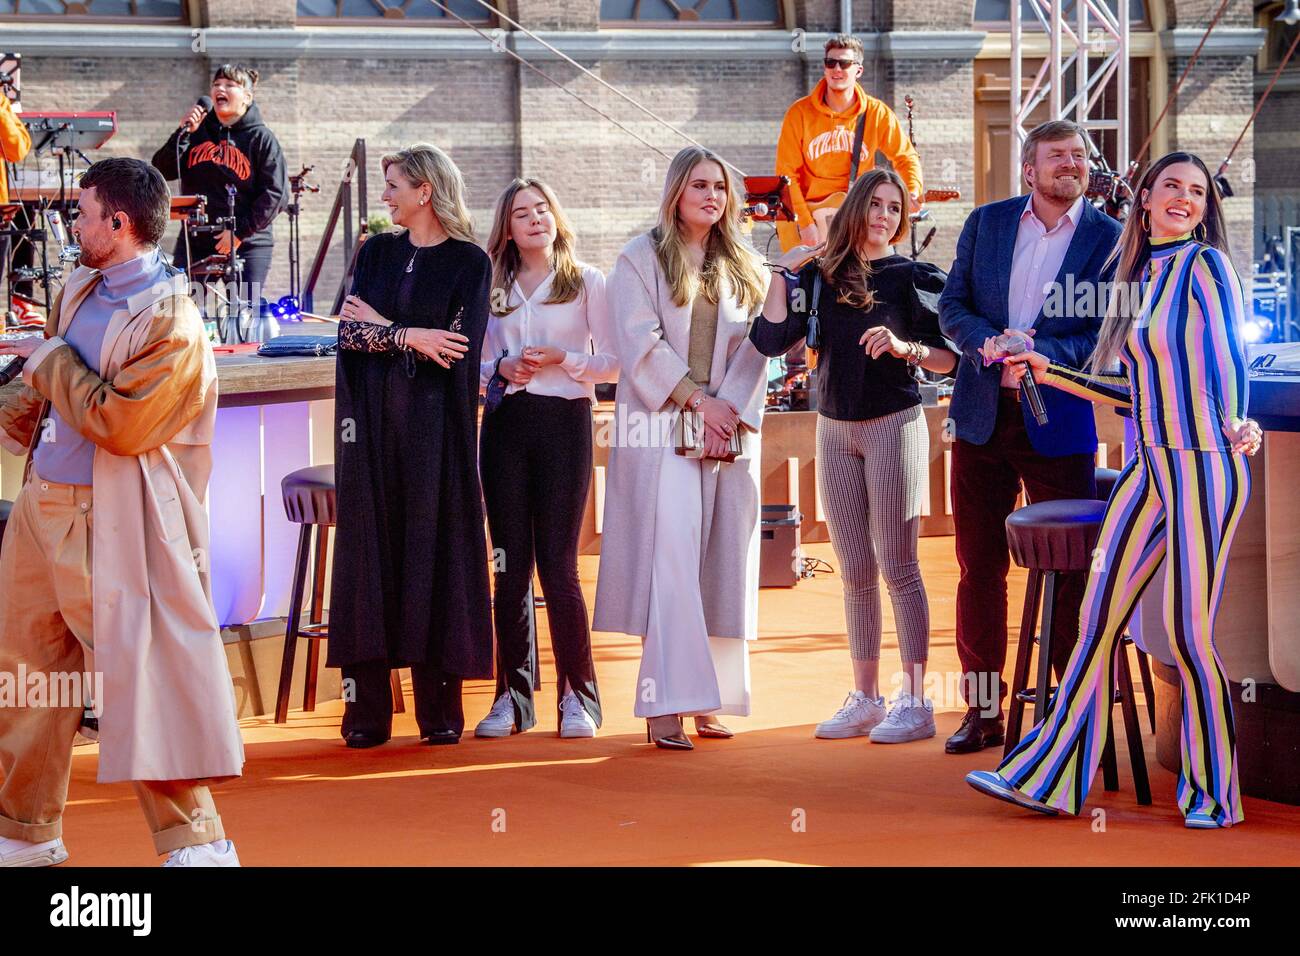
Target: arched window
[[701, 13], [162, 11], [391, 12], [996, 14]]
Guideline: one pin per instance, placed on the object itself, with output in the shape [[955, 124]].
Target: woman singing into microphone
[[229, 146], [1180, 498]]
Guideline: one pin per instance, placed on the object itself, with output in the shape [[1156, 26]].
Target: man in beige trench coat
[[103, 571]]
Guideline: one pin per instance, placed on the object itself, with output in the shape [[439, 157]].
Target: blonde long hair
[[426, 163], [567, 284], [725, 253], [1133, 252], [845, 265]]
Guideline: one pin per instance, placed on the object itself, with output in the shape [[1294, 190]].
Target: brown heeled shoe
[[674, 740], [713, 729]]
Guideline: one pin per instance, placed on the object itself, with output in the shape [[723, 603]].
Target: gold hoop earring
[[1145, 221], [1203, 232]]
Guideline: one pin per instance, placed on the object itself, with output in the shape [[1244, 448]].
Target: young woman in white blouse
[[547, 346]]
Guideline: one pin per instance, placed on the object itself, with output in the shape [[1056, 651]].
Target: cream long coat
[[652, 336], [168, 702]]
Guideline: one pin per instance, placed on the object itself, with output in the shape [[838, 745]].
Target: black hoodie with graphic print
[[245, 154]]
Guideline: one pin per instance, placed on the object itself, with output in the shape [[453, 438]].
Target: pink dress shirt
[[1035, 263]]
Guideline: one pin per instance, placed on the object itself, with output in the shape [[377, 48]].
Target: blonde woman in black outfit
[[410, 568], [877, 318]]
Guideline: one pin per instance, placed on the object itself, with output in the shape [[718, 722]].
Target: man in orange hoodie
[[14, 141], [816, 143]]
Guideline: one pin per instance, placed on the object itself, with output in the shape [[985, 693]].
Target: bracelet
[[777, 267], [916, 353], [695, 405]]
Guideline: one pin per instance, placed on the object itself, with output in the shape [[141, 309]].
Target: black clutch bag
[[300, 345]]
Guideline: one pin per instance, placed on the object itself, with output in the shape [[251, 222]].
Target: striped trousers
[[1183, 506], [871, 475]]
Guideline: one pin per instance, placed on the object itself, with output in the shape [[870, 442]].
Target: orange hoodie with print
[[14, 141], [815, 146]]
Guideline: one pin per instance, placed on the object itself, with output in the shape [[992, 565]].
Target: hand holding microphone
[[1018, 352], [195, 116]]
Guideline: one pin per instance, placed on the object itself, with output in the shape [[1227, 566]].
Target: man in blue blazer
[[1022, 264]]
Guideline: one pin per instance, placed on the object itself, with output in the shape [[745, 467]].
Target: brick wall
[[248, 13], [1277, 174], [1190, 14], [929, 15], [1213, 105], [697, 97], [498, 119], [467, 108], [943, 92]]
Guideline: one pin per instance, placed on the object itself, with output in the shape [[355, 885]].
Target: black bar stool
[[1050, 538], [310, 499], [1107, 478]]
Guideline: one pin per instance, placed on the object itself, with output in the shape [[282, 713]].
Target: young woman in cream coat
[[679, 553]]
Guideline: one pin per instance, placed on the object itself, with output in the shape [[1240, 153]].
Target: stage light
[[286, 309], [1291, 15], [1256, 330]]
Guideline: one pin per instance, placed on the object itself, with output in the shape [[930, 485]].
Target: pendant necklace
[[411, 265]]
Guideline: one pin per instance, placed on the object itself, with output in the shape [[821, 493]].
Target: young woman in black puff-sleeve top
[[877, 319]]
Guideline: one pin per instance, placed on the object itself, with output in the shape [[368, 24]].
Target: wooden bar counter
[[274, 415]]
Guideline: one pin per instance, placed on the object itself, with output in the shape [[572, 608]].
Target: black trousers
[[985, 481], [535, 465], [370, 709]]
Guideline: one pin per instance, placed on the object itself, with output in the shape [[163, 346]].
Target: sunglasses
[[831, 63]]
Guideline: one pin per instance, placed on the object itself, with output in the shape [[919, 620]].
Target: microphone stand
[[297, 186]]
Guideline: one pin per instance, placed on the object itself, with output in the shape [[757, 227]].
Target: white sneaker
[[909, 718], [574, 719], [500, 720], [856, 718], [25, 853], [218, 853]]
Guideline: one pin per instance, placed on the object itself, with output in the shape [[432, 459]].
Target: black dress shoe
[[975, 733], [359, 741], [441, 737]]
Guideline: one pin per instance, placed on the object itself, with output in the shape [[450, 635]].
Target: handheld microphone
[[204, 103], [11, 365], [1014, 345]]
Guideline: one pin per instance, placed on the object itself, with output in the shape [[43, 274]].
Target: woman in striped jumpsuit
[[1180, 498]]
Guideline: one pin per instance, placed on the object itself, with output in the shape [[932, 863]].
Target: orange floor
[[773, 795]]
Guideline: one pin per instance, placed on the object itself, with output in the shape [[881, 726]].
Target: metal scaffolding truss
[[1096, 31]]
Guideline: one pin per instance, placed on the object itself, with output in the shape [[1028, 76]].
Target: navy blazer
[[974, 306]]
